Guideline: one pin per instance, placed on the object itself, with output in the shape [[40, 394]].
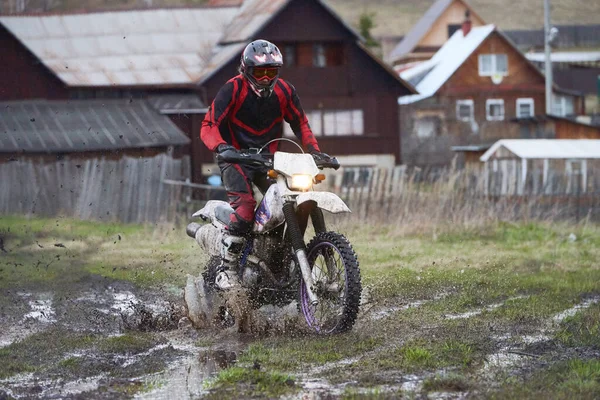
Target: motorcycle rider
[[248, 112]]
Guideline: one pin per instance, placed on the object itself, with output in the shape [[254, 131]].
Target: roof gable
[[423, 26], [256, 15], [429, 76]]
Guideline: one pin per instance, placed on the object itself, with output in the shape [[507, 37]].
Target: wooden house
[[346, 91], [429, 34], [477, 89]]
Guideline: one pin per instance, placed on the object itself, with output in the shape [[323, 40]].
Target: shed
[[101, 159], [543, 165]]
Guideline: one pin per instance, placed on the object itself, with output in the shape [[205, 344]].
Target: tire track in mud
[[102, 312], [509, 356]]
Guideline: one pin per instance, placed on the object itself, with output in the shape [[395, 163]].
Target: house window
[[464, 110], [333, 123], [493, 64], [525, 108], [319, 57], [562, 105], [494, 109], [428, 126], [343, 122], [289, 55]]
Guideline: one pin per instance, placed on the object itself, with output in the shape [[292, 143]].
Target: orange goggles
[[260, 72]]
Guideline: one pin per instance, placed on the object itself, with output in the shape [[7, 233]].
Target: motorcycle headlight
[[301, 182]]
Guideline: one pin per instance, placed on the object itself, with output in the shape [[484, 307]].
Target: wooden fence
[[126, 190], [464, 196]]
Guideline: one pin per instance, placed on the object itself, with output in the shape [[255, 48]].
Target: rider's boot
[[231, 249]]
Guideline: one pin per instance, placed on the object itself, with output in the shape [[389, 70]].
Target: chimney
[[466, 25]]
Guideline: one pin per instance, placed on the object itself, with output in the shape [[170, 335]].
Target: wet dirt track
[[175, 361]]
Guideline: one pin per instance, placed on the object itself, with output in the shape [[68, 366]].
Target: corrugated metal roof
[[253, 15], [84, 125], [145, 47], [177, 104], [547, 148]]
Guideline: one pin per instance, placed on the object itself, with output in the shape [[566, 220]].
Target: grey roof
[[181, 46], [255, 14], [139, 47], [410, 41], [84, 125], [178, 104]]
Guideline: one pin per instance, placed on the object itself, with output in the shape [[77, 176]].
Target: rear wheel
[[336, 277]]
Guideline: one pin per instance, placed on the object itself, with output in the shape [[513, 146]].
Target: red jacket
[[240, 118]]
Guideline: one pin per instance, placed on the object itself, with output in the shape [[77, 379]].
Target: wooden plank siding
[[566, 129], [99, 188], [523, 81], [23, 76], [358, 83], [453, 15]]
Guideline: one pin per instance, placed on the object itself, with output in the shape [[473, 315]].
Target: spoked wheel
[[336, 278]]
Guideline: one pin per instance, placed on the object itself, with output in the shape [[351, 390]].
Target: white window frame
[[466, 102], [529, 101], [322, 119], [493, 65], [488, 104], [560, 103]]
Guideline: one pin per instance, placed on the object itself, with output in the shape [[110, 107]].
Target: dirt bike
[[276, 266]]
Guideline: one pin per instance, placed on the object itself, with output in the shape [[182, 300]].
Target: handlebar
[[253, 158]]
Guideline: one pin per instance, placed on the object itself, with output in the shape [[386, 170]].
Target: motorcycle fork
[[296, 234], [310, 209]]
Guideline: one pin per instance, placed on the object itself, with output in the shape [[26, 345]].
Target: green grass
[[294, 353], [572, 379], [237, 381], [144, 255], [582, 329]]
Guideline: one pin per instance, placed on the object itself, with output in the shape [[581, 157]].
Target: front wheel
[[336, 277]]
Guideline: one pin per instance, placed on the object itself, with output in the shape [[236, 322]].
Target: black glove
[[227, 153], [320, 157], [224, 147]]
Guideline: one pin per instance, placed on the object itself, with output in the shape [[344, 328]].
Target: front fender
[[325, 200]]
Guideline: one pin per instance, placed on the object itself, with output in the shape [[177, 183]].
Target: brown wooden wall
[[23, 76], [570, 130], [521, 74], [359, 83]]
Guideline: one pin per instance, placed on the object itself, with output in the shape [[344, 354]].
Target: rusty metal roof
[[126, 48], [84, 125]]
